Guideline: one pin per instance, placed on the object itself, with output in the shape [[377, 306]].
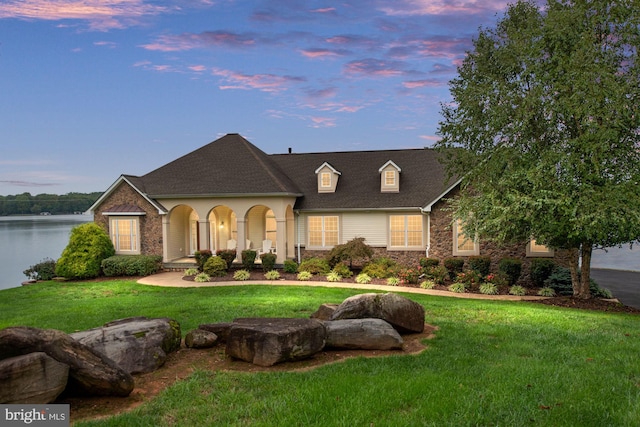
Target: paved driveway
[[624, 285]]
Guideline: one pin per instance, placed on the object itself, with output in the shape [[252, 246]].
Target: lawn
[[491, 363]]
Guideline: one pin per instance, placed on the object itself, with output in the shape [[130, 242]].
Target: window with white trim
[[325, 180], [125, 232], [322, 231], [463, 245], [537, 250], [405, 231], [390, 178]]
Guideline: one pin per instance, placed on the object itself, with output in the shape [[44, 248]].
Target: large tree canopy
[[545, 128]]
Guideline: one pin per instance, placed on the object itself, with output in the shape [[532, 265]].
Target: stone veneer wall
[[150, 224]]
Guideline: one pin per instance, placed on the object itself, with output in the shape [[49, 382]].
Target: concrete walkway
[[624, 285]]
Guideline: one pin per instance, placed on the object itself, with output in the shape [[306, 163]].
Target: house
[[230, 194]]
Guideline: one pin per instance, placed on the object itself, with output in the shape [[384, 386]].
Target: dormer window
[[327, 178], [389, 177]]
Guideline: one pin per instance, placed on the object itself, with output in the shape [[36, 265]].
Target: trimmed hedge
[[131, 265]]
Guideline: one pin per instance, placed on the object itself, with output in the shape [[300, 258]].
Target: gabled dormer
[[389, 177], [327, 178]]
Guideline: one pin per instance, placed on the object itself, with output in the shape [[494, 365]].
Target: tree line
[[27, 204]]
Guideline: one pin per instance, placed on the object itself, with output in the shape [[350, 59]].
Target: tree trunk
[[574, 261], [584, 290]]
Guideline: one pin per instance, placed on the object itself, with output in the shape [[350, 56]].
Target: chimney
[[289, 150]]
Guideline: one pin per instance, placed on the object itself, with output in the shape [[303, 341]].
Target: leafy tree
[[354, 249], [88, 246], [545, 128]]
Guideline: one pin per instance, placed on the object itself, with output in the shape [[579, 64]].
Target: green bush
[[517, 290], [290, 266], [190, 272], [241, 275], [393, 281], [541, 269], [201, 278], [428, 284], [363, 278], [268, 261], [343, 270], [454, 266], [511, 268], [201, 257], [215, 266], [438, 274], [480, 264], [315, 265], [44, 270], [488, 289], [409, 275], [304, 275], [427, 263], [131, 265], [88, 245], [272, 275], [381, 268], [469, 278], [249, 259], [560, 282], [547, 292], [354, 250], [228, 255], [333, 276], [458, 288]]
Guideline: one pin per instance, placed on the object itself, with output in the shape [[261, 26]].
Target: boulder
[[90, 372], [136, 344], [199, 338], [220, 329], [324, 312], [265, 342], [365, 334], [404, 315], [34, 378]]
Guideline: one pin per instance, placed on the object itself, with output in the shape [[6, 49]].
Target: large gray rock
[[136, 344], [265, 342], [33, 378], [365, 334], [91, 373], [324, 312], [199, 338], [404, 315]]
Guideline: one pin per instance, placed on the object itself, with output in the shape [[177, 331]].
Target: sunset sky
[[91, 89]]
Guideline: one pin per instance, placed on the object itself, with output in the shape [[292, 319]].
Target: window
[[124, 235], [463, 245], [405, 231], [536, 250], [390, 178], [325, 179], [270, 226], [323, 231]]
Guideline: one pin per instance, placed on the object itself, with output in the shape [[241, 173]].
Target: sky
[[92, 89]]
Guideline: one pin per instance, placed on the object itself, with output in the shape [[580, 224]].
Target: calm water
[[27, 240]]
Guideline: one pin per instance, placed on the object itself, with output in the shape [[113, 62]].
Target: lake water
[[27, 240]]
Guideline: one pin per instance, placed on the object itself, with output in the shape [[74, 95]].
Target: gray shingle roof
[[232, 165]]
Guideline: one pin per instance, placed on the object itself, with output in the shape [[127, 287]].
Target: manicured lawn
[[492, 362]]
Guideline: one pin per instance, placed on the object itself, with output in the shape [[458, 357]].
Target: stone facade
[[150, 223]]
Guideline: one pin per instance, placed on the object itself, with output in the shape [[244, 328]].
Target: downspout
[[298, 235], [426, 251]]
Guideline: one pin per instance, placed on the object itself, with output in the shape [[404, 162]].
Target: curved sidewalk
[[174, 279]]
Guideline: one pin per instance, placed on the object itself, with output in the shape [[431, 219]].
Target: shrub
[[202, 277], [190, 272], [290, 266], [249, 258], [355, 249], [498, 279], [428, 284], [381, 268], [215, 266], [517, 290], [438, 274], [272, 275], [228, 255], [393, 281], [268, 261], [305, 275], [241, 275], [363, 278], [468, 278], [88, 245], [480, 264], [454, 266], [201, 257], [131, 265], [512, 268], [427, 263], [547, 292], [334, 276], [458, 288], [541, 269], [410, 275], [343, 270], [44, 270], [560, 281], [488, 289], [315, 265]]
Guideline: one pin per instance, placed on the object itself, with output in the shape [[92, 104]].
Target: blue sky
[[91, 89]]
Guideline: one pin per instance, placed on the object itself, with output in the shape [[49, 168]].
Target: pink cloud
[[263, 82], [197, 68], [324, 10], [323, 122], [442, 7], [322, 53], [188, 41], [414, 84], [101, 15], [375, 67]]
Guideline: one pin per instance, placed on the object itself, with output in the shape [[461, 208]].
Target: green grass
[[492, 362]]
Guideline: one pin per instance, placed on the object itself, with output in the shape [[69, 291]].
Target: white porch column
[[281, 242], [165, 238], [242, 238], [203, 234]]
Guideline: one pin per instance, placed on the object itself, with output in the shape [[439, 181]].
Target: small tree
[[354, 249], [88, 246]]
